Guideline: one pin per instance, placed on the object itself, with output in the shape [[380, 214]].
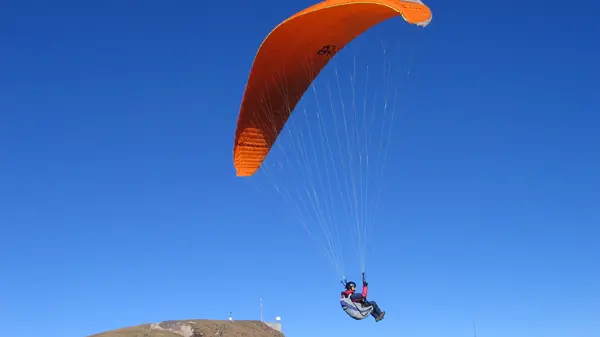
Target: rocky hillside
[[196, 328]]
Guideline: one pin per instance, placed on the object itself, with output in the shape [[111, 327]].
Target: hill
[[196, 328]]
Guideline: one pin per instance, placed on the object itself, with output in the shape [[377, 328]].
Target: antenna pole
[[261, 310], [474, 331]]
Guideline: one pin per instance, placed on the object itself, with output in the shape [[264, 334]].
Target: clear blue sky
[[119, 203]]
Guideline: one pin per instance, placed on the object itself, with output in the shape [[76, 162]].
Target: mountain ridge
[[195, 328]]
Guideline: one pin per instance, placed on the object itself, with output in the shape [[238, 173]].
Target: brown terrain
[[196, 328]]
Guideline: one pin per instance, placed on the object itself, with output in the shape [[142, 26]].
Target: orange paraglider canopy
[[292, 56]]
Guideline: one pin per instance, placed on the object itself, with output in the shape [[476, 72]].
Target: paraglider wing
[[292, 56]]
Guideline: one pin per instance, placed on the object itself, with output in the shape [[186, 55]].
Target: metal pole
[[261, 310]]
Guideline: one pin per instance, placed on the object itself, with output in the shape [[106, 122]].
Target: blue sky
[[120, 204]]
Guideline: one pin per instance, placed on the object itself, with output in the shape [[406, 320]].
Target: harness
[[355, 310]]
